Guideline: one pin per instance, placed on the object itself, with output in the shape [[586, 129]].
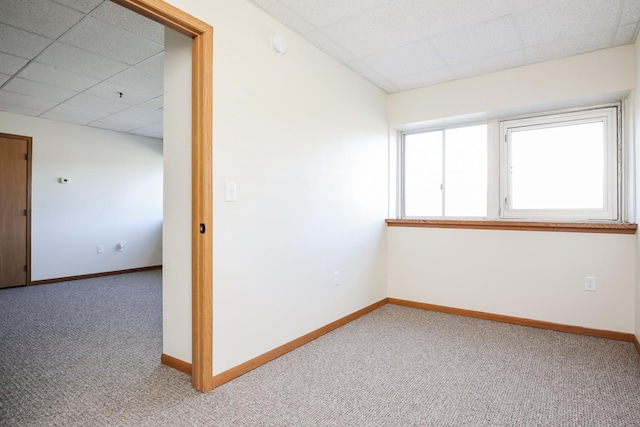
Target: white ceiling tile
[[565, 19], [568, 47], [154, 131], [147, 133], [135, 78], [21, 43], [95, 50], [520, 6], [71, 58], [365, 71], [323, 13], [84, 6], [477, 42], [21, 110], [134, 23], [64, 118], [406, 60], [143, 116], [156, 127], [84, 100], [283, 14], [325, 44], [45, 18], [625, 34], [432, 17], [388, 87], [79, 112], [487, 65], [375, 30], [424, 79], [122, 119], [47, 74], [113, 42], [10, 64], [155, 103], [155, 64], [111, 126], [38, 90], [20, 100], [380, 39], [630, 12], [110, 90]]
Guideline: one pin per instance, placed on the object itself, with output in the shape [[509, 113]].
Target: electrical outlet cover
[[590, 283]]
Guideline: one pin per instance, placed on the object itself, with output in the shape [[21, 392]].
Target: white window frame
[[608, 117], [490, 151], [497, 167]]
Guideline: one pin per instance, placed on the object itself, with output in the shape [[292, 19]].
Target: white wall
[[579, 79], [176, 271], [305, 140], [536, 275], [114, 194]]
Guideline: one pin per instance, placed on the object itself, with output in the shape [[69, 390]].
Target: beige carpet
[[86, 353]]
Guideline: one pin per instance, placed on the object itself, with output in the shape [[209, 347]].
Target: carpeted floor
[[86, 353]]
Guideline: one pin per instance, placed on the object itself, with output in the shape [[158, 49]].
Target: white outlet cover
[[590, 283]]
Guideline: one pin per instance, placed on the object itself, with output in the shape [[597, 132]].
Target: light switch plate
[[230, 193]]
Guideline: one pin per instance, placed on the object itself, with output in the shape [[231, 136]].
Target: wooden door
[[14, 210]]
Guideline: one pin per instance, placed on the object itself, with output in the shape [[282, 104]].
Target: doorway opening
[[201, 178]]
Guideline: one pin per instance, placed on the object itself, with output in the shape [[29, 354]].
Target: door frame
[[201, 177], [29, 141]]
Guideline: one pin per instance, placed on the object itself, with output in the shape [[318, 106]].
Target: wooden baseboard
[[292, 345], [90, 276], [256, 362], [177, 364], [612, 335]]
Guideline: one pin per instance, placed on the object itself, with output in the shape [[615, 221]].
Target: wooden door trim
[[202, 197], [29, 141]]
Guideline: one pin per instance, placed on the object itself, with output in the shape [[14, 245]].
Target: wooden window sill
[[576, 227]]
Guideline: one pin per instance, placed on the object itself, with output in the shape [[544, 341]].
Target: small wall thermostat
[[63, 180]]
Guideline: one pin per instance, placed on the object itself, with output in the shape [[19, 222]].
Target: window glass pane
[[465, 175], [558, 167], [423, 174]]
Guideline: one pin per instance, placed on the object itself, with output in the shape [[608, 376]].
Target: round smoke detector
[[278, 44]]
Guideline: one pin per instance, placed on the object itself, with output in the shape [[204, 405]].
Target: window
[[555, 167], [446, 173]]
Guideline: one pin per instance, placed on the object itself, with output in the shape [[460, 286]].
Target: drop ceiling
[[94, 63], [89, 62], [405, 44]]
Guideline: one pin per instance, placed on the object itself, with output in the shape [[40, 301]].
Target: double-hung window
[[553, 167]]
